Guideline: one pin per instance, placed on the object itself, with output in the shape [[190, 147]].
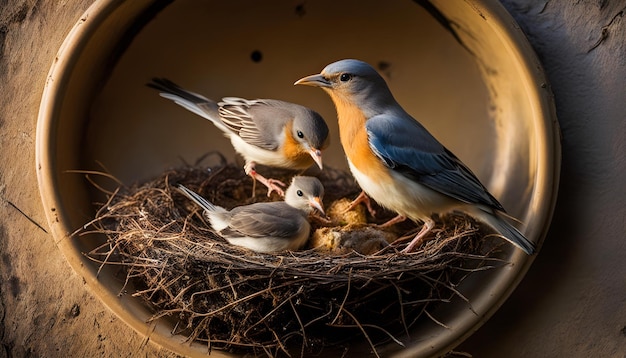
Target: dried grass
[[296, 303]]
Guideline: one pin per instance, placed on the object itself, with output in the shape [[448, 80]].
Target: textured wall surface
[[45, 308], [572, 303]]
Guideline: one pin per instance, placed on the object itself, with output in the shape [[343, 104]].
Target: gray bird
[[397, 162], [264, 131], [267, 227]]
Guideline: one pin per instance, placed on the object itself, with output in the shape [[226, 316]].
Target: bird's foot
[[273, 185], [391, 222], [362, 198], [420, 238]]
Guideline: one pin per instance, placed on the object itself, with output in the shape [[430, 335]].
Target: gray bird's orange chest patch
[[297, 155]]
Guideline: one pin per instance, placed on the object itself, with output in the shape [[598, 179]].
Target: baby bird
[[264, 131], [267, 227], [397, 162]]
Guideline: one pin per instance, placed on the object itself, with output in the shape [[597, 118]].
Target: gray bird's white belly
[[253, 153]]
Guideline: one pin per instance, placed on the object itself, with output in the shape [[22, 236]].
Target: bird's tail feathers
[[196, 198], [499, 221], [509, 217], [191, 101]]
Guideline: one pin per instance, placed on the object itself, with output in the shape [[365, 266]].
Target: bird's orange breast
[[354, 140]]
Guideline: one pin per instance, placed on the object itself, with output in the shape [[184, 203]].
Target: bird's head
[[305, 193], [311, 132], [352, 81]]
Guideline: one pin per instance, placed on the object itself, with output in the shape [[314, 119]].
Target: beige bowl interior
[[488, 102]]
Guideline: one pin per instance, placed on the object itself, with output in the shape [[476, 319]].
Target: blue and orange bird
[[264, 131], [397, 162]]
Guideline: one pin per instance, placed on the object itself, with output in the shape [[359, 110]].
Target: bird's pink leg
[[429, 224], [362, 198], [271, 184], [398, 219]]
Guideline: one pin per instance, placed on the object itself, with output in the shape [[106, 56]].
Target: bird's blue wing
[[406, 147]]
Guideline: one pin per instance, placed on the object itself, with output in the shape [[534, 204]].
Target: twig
[[25, 215]]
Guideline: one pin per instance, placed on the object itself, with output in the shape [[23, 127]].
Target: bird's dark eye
[[345, 77], [300, 193], [300, 134]]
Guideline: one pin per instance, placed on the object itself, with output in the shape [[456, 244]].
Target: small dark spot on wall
[[3, 35], [6, 260], [300, 10], [623, 330], [74, 311], [14, 286], [385, 68], [383, 65], [603, 4], [256, 56]]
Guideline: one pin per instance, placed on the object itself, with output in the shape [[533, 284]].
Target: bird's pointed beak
[[316, 203], [314, 80], [316, 154]]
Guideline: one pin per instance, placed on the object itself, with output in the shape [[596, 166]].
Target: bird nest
[[350, 286]]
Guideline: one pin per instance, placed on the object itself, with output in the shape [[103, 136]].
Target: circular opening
[[462, 68]]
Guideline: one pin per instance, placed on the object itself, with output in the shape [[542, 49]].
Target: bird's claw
[[362, 198], [420, 238], [275, 185], [391, 222]]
